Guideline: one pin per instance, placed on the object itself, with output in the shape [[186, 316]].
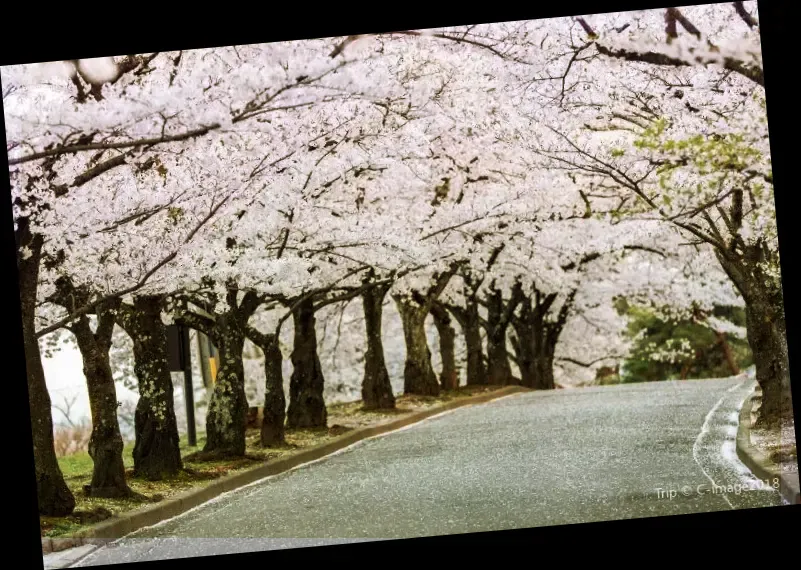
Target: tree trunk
[[536, 340], [376, 387], [306, 403], [543, 364], [524, 347], [768, 340], [272, 425], [156, 452], [499, 372], [766, 331], [468, 319], [545, 338], [449, 377], [227, 413], [418, 374], [105, 445], [55, 498]]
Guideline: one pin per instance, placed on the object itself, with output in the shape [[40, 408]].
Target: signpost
[[180, 360], [208, 362], [205, 359]]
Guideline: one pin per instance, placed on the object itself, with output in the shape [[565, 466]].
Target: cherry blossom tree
[[66, 149], [685, 89], [701, 161], [503, 177]]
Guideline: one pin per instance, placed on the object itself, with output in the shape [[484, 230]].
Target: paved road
[[533, 459]]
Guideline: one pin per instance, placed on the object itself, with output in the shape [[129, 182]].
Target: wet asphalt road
[[532, 459]]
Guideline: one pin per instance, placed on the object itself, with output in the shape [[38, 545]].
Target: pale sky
[[64, 377]]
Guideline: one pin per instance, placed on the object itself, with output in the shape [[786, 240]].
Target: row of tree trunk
[[156, 452]]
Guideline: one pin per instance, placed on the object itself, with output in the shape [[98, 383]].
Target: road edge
[[758, 462], [127, 523]]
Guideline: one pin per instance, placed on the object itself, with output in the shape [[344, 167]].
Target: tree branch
[[514, 299], [186, 317], [645, 248], [136, 286], [743, 13], [260, 339], [755, 74], [588, 364], [72, 149]]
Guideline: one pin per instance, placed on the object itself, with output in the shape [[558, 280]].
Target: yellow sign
[[213, 368]]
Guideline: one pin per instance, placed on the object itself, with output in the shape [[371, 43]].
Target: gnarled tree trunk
[[767, 337], [418, 374], [226, 419], [227, 413], [537, 339], [766, 332], [274, 413], [55, 498], [105, 444], [306, 403], [449, 377], [156, 451], [376, 387]]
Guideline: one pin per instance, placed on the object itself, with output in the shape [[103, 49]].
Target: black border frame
[[66, 34]]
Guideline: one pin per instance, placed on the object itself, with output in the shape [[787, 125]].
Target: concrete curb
[[117, 527], [758, 462], [50, 545]]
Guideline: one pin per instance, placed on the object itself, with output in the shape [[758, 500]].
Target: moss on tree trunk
[[227, 413], [768, 340], [55, 498], [105, 444], [418, 374], [156, 452], [765, 328]]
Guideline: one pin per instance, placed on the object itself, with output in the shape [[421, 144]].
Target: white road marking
[[705, 430]]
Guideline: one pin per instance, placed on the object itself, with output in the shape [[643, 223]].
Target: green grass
[[77, 471], [80, 464]]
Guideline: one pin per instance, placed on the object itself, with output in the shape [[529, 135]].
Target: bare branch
[[743, 13], [590, 32], [676, 15], [72, 149], [138, 285], [66, 410], [462, 39], [590, 363], [755, 74]]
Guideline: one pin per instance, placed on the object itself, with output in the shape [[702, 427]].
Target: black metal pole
[[189, 391]]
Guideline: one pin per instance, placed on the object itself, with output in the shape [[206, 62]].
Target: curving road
[[532, 459]]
